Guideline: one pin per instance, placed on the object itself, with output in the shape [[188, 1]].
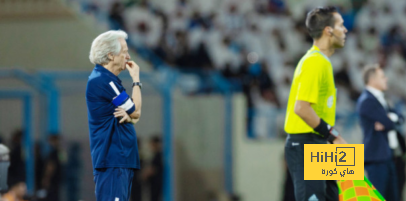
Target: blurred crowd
[[59, 172], [49, 174], [256, 44]]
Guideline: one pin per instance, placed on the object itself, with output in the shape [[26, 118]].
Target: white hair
[[105, 44]]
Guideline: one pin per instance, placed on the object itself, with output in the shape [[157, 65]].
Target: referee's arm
[[134, 70], [304, 110]]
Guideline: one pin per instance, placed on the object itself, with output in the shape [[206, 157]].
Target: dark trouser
[[401, 177], [383, 176], [156, 189], [307, 190], [288, 190]]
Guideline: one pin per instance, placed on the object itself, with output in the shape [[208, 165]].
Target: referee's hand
[[339, 140]]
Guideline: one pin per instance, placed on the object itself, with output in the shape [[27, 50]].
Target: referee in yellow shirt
[[310, 115]]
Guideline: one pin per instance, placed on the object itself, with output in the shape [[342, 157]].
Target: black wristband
[[322, 129], [327, 131]]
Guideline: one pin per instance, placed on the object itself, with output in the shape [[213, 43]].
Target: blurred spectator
[[74, 175], [178, 21], [53, 170], [276, 49], [4, 165], [252, 40], [264, 79], [212, 196], [16, 193], [381, 141], [348, 15], [201, 57], [153, 174], [222, 53], [39, 167], [265, 111], [397, 72], [401, 14], [385, 18], [136, 189], [196, 20], [180, 49], [116, 18], [144, 26], [284, 83], [234, 197], [370, 40], [229, 73], [276, 6], [293, 38], [231, 20], [90, 6], [16, 170], [393, 39], [342, 78], [218, 36]]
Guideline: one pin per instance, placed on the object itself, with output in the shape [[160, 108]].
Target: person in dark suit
[[400, 165], [154, 173], [381, 141]]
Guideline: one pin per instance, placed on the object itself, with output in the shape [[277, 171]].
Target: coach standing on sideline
[[381, 141], [112, 113], [310, 115]]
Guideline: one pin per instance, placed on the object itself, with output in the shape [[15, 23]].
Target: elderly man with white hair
[[111, 114]]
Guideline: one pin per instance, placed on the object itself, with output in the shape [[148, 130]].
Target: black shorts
[[307, 190]]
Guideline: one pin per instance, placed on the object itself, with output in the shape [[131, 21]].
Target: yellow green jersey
[[313, 82]]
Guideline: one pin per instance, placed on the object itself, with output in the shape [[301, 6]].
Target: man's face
[[379, 80], [339, 31], [122, 57]]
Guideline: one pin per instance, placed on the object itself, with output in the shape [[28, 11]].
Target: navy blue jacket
[[370, 110]]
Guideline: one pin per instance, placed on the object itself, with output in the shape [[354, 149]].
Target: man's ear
[[110, 56], [329, 30]]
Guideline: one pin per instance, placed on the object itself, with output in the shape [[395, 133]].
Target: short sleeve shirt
[[313, 82], [111, 144]]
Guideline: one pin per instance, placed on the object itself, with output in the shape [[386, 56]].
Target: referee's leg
[[306, 190]]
